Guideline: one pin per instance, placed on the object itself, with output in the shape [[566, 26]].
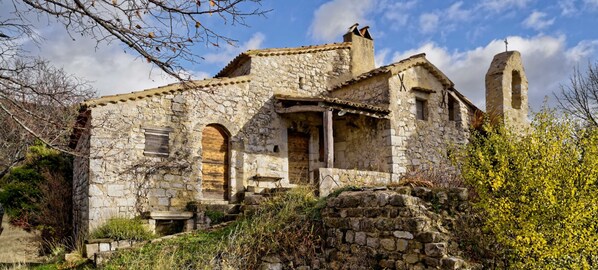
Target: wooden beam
[[328, 139], [300, 108]]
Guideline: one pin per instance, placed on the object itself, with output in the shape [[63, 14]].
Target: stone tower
[[506, 90], [362, 49]]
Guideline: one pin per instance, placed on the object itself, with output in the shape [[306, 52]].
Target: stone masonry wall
[[422, 144], [360, 143], [399, 228], [81, 184], [373, 91], [125, 182]]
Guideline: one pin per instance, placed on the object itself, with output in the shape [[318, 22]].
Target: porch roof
[[296, 104]]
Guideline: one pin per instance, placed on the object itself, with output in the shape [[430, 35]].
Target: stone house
[[315, 115]]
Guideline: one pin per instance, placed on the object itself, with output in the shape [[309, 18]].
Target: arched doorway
[[215, 162]]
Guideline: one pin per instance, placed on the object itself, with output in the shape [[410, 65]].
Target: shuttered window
[[156, 141]]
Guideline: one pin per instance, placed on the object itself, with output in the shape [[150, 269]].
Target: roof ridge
[[165, 89], [387, 68], [280, 51]]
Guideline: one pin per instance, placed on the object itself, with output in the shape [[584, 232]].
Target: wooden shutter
[[156, 141]]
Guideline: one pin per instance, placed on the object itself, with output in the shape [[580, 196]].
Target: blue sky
[[460, 37]]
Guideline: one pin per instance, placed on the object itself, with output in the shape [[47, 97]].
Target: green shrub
[[538, 191], [215, 216], [123, 229], [283, 226]]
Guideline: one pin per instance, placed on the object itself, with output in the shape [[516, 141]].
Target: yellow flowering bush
[[539, 191]]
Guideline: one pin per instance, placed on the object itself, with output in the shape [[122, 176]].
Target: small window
[[451, 109], [156, 141], [421, 110], [515, 90]]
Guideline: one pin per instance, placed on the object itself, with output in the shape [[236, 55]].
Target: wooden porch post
[[328, 138]]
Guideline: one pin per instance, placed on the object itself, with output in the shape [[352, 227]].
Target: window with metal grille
[[156, 141], [421, 110]]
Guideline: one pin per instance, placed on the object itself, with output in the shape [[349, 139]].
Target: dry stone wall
[[398, 228]]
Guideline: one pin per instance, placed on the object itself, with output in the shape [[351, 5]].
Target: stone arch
[[215, 162], [516, 89]]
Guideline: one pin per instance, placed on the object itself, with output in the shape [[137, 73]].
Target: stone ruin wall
[[81, 183], [398, 228], [373, 91], [124, 182], [422, 144]]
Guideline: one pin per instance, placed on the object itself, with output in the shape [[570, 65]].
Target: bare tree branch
[[580, 97]]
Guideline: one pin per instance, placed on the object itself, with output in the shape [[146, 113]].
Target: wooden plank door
[[298, 157], [215, 165]]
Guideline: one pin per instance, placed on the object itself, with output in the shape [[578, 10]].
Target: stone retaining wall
[[331, 179], [400, 228]]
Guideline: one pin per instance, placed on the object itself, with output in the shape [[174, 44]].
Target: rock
[[373, 242], [360, 238], [402, 245], [451, 263], [388, 244], [435, 250], [403, 234]]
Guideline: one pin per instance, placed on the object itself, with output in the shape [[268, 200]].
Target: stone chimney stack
[[506, 90], [362, 49]]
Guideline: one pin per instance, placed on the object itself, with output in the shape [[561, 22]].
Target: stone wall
[[400, 228], [81, 183], [422, 144], [123, 181], [361, 143], [331, 179], [373, 91]]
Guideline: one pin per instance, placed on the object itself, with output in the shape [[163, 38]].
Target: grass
[[122, 229], [287, 225]]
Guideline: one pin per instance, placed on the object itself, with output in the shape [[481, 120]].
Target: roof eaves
[[163, 90]]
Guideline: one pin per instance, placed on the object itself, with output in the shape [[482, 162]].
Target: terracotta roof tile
[[167, 89]]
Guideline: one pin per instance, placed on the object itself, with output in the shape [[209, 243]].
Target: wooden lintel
[[300, 108]]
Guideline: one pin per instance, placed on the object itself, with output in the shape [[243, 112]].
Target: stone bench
[[154, 217]]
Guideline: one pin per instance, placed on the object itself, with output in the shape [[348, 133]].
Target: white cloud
[[537, 21], [567, 7], [428, 22], [228, 52], [456, 13], [397, 12], [547, 60], [109, 69], [380, 57], [331, 20], [502, 5], [591, 3]]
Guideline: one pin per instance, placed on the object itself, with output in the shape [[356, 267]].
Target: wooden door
[[215, 165], [298, 157]]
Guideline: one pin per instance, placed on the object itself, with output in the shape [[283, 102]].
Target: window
[[420, 108], [515, 90], [451, 109], [156, 141]]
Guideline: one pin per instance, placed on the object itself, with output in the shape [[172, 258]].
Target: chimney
[[362, 49], [506, 90]]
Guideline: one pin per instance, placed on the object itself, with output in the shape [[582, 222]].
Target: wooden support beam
[[328, 139], [300, 108]]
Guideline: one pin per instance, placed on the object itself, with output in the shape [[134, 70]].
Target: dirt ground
[[18, 246]]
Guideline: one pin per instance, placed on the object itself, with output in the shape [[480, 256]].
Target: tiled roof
[[167, 89], [332, 100], [241, 58], [397, 67]]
